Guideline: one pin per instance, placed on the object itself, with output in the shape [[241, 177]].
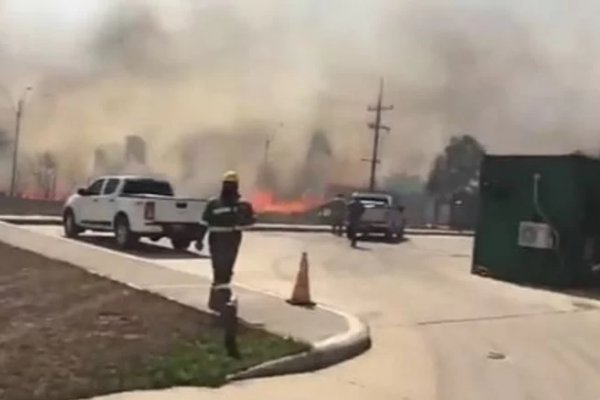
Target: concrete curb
[[31, 219], [51, 220], [334, 350], [438, 232], [109, 264]]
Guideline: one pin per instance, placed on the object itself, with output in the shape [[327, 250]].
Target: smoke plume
[[205, 83]]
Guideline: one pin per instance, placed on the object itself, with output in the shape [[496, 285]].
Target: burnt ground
[[67, 334]]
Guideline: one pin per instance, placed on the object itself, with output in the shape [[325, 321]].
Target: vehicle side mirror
[[82, 192]]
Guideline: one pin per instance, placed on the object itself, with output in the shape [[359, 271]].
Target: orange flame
[[265, 202], [30, 192]]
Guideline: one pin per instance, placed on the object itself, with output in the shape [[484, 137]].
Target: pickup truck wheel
[[180, 244], [400, 236], [125, 238], [389, 236], [72, 230]]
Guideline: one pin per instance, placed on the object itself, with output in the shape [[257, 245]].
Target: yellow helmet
[[231, 176]]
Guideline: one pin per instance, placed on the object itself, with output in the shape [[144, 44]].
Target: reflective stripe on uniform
[[221, 286], [223, 228], [222, 210]]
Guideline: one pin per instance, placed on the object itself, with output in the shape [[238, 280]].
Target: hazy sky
[[522, 76]]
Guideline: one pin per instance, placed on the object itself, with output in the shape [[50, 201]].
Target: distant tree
[[403, 184], [586, 154], [45, 174], [313, 175], [457, 168]]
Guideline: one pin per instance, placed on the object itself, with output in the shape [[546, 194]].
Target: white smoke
[[520, 76]]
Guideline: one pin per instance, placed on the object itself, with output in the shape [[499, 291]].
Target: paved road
[[438, 332]]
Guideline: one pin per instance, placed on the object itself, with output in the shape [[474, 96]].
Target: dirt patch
[[67, 334]]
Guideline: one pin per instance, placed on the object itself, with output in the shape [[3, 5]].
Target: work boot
[[213, 300], [218, 298]]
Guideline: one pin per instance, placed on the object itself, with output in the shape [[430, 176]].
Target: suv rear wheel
[[389, 236], [180, 244]]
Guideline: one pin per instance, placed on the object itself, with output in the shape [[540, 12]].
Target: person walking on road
[[356, 210], [225, 217], [338, 215]]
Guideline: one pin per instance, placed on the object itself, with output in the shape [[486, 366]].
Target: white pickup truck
[[381, 216], [133, 207]]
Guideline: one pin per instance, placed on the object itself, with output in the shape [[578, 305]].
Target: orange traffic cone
[[301, 293]]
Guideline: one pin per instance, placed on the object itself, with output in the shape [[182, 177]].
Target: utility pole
[[377, 127], [267, 148], [15, 158]]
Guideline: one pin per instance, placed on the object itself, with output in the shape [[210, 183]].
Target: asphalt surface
[[438, 332]]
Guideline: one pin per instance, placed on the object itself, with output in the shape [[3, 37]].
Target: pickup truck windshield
[[147, 186]]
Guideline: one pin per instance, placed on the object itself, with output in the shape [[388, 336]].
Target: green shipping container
[[560, 193]]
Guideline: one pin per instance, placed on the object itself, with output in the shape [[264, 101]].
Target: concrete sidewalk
[[334, 336]]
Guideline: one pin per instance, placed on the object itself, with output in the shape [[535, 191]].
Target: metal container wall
[[568, 200]]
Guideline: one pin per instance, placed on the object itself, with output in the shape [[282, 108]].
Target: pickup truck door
[[87, 207], [105, 208]]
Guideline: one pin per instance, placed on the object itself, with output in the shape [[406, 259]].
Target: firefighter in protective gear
[[338, 215], [356, 209], [225, 217]]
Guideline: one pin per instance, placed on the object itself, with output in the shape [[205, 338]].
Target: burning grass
[[267, 202]]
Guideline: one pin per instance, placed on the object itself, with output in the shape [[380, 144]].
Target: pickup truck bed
[[173, 209], [134, 207]]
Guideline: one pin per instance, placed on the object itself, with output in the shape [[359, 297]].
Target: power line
[[377, 127]]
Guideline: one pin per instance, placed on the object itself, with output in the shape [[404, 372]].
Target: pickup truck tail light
[[149, 210]]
